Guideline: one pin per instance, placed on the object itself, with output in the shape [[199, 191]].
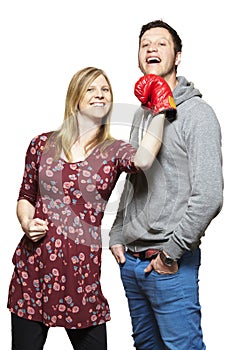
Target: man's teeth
[[153, 60]]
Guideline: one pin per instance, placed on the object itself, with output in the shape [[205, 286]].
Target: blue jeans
[[164, 309]]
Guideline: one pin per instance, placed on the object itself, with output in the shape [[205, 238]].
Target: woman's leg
[[26, 334], [91, 338]]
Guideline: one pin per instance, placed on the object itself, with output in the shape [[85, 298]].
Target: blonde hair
[[67, 135]]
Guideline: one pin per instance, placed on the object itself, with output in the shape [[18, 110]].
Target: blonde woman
[[69, 176]]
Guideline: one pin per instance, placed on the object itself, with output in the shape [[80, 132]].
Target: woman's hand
[[35, 229]]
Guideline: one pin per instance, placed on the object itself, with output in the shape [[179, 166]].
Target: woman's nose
[[99, 93]]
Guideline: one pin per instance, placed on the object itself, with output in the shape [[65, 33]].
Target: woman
[[69, 176]]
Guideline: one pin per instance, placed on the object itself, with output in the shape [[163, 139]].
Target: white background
[[43, 43]]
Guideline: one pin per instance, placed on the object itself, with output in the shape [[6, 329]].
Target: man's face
[[156, 53]]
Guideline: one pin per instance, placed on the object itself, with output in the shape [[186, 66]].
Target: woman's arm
[[155, 95], [151, 143], [34, 228]]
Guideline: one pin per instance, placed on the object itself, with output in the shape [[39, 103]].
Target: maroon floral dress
[[57, 281]]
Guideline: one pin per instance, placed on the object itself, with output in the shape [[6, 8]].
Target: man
[[165, 211]]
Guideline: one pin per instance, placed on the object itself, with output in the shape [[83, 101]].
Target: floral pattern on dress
[[57, 282]]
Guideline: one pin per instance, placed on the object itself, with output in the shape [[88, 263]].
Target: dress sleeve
[[125, 158], [29, 185]]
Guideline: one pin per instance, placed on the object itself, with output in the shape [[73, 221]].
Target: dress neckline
[[80, 161]]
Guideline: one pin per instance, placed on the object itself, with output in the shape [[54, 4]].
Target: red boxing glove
[[155, 94]]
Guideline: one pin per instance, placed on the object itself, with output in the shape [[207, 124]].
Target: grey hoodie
[[170, 206]]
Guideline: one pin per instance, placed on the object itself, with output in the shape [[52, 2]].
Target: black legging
[[31, 335]]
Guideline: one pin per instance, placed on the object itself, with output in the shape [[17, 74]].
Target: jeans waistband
[[144, 255]]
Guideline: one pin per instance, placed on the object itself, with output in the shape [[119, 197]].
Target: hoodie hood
[[184, 91]]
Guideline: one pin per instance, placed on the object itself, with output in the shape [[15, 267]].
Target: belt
[[146, 254]]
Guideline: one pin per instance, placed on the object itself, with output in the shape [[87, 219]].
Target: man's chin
[[152, 70]]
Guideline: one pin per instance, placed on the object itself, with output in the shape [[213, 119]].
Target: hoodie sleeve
[[116, 232], [202, 137]]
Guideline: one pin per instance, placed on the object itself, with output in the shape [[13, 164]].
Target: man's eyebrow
[[159, 38]]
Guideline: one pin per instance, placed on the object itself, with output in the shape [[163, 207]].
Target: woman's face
[[97, 100]]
